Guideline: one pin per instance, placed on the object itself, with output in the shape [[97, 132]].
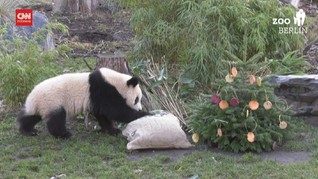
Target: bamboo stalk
[[165, 95]]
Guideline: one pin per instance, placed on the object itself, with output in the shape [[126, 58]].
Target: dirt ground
[[109, 32], [284, 157], [103, 32]]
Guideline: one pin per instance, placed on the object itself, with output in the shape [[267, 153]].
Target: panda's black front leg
[[107, 125], [133, 115]]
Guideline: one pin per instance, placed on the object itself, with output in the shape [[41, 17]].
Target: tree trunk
[[115, 62], [120, 64], [86, 6], [94, 4], [59, 6], [73, 6]]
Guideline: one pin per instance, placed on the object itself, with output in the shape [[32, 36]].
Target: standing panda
[[108, 95]]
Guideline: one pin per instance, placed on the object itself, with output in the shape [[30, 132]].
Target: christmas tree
[[243, 114]]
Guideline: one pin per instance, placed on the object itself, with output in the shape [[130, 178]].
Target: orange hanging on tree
[[234, 71], [283, 125], [251, 137], [195, 138], [223, 104], [253, 104], [252, 79], [229, 78], [267, 105], [219, 133]]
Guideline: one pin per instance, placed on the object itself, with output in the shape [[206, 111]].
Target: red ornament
[[215, 99], [234, 102]]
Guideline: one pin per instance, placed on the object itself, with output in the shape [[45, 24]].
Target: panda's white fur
[[68, 90], [104, 93]]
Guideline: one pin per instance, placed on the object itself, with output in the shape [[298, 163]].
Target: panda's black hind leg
[[26, 123], [56, 124], [108, 126]]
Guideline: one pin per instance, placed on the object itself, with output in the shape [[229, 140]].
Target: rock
[[304, 89], [301, 93], [299, 108], [26, 32], [311, 56], [39, 21], [314, 111]]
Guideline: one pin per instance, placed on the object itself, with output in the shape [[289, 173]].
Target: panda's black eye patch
[[136, 100]]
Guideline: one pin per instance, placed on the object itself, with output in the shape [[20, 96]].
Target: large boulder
[[301, 93]]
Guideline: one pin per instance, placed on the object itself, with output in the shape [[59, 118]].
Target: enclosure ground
[[284, 157], [108, 32]]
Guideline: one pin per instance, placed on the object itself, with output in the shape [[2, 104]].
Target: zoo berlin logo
[[299, 20]]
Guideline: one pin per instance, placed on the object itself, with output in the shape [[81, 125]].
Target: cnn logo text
[[23, 17]]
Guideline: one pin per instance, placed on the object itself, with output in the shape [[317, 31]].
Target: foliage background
[[195, 34], [201, 41]]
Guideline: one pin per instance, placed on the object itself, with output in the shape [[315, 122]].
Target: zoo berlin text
[[299, 20]]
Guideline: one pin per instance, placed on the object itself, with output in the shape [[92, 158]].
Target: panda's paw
[[151, 113], [114, 131], [66, 135], [32, 132]]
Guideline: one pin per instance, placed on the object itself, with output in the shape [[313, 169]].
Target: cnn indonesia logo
[[23, 17], [299, 20]]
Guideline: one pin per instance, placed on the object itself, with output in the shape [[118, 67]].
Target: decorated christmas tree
[[243, 114]]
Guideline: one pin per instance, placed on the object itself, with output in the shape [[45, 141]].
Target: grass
[[89, 154]]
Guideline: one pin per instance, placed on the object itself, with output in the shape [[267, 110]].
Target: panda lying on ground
[[108, 95]]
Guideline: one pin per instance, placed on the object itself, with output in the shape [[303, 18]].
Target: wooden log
[[120, 64], [115, 62], [94, 4], [85, 6], [73, 6]]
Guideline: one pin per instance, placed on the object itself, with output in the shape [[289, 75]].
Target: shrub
[[197, 33], [24, 64]]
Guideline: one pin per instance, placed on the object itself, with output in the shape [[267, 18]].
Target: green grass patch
[[303, 137], [89, 154]]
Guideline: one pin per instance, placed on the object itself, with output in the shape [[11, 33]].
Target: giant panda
[[106, 94]]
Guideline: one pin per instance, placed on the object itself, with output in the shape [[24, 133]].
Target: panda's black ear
[[133, 82]]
